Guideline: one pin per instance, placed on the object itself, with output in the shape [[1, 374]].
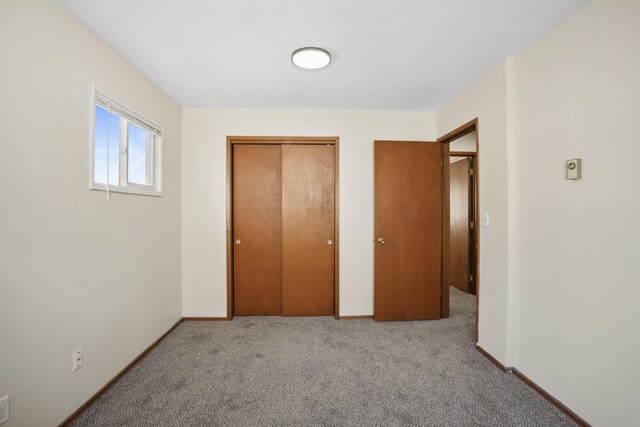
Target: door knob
[[381, 240], [329, 242], [238, 241]]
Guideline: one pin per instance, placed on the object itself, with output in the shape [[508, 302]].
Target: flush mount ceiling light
[[311, 58]]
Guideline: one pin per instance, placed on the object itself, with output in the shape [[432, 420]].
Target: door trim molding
[[283, 140], [460, 131], [462, 153]]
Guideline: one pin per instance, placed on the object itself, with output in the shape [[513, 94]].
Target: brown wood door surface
[[257, 225], [408, 216], [308, 230], [459, 268]]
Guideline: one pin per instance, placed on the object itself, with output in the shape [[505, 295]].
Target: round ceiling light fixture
[[311, 58]]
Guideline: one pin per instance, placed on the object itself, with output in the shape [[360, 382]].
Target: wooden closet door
[[308, 230], [408, 230], [459, 224], [257, 225]]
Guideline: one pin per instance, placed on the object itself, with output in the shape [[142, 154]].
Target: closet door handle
[[329, 242], [238, 241]]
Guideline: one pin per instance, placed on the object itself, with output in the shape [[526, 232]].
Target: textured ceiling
[[387, 54]]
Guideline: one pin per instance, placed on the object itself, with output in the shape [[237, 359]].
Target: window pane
[[107, 128], [139, 152]]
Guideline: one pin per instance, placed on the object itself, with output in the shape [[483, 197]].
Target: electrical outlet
[[77, 359], [4, 409]]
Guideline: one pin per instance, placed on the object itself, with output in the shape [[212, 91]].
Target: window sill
[[127, 190]]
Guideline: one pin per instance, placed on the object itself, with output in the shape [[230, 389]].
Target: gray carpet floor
[[274, 371]]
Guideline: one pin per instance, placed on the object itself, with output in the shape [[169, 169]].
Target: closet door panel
[[308, 245], [257, 240]]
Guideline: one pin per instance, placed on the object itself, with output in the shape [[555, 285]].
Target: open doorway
[[461, 222]]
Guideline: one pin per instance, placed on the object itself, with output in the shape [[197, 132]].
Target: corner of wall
[[512, 285]]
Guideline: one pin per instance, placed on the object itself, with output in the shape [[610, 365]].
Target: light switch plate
[[574, 169], [485, 220]]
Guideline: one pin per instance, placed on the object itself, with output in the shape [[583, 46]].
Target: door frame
[[467, 128], [282, 140]]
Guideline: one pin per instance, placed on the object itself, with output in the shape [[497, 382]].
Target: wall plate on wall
[[574, 169]]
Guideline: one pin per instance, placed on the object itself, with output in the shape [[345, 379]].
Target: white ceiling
[[387, 54]]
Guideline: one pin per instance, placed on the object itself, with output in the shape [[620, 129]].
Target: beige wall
[[578, 321], [75, 270], [558, 284], [567, 301], [204, 192], [465, 143]]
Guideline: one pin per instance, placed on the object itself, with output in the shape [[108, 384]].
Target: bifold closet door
[[308, 230], [257, 225]]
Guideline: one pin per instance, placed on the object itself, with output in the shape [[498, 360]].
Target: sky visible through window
[[100, 167], [137, 162], [137, 149]]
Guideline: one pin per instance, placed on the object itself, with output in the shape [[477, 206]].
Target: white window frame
[[154, 151]]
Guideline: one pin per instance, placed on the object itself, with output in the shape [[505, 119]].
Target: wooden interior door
[[459, 243], [408, 230], [257, 226], [308, 211]]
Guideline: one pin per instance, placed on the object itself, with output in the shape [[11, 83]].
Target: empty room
[[329, 213]]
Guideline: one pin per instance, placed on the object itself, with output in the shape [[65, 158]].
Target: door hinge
[[471, 224], [470, 278], [471, 172]]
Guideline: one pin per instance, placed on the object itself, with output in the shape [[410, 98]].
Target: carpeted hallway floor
[[274, 371]]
